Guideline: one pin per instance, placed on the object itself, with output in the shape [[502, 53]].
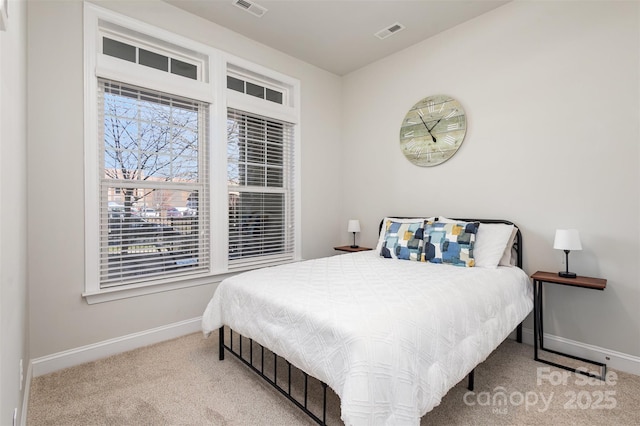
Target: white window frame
[[213, 67]]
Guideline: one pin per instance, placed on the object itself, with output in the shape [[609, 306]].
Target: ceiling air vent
[[252, 8], [390, 30]]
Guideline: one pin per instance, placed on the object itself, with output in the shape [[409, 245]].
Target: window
[[135, 54], [153, 152], [159, 211], [260, 156], [253, 89]]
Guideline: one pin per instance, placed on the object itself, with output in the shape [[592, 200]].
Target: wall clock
[[433, 130]]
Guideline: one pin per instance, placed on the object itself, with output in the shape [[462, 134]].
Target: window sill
[[135, 290], [125, 292]]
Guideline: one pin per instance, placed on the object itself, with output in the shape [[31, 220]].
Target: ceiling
[[338, 35]]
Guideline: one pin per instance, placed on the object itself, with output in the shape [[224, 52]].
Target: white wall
[[13, 207], [551, 94], [60, 318], [552, 100]]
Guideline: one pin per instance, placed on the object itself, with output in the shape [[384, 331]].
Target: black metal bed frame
[[237, 351], [286, 392], [304, 406]]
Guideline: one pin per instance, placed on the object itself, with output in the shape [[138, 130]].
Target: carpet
[[181, 382]]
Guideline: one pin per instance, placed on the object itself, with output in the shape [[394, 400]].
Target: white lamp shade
[[354, 225], [567, 239]]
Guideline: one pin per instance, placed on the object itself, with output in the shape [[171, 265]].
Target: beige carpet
[[181, 382]]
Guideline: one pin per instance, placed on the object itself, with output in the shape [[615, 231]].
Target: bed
[[389, 330]]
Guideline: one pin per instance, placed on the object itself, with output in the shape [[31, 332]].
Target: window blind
[[153, 185], [261, 197]]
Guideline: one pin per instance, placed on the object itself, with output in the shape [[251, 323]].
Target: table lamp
[[567, 240], [353, 226]]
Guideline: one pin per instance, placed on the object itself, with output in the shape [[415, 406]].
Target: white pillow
[[508, 258], [492, 244], [446, 220], [383, 230], [488, 248]]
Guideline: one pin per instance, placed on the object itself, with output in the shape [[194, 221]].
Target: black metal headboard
[[517, 242]]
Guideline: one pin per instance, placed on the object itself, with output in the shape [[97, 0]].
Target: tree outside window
[[153, 171]]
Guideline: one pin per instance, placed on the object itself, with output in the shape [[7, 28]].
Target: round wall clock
[[433, 130]]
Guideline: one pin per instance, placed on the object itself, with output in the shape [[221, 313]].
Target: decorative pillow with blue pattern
[[403, 240], [450, 243]]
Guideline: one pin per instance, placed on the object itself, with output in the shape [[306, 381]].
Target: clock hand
[[432, 127], [451, 114], [427, 127]]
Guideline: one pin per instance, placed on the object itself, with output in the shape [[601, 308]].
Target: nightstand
[[539, 278], [352, 249]]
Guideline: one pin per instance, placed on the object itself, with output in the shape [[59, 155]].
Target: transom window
[[148, 58], [254, 89]]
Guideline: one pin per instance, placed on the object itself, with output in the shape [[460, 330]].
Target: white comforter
[[390, 337]]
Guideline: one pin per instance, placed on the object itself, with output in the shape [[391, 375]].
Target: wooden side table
[[541, 277], [350, 249]]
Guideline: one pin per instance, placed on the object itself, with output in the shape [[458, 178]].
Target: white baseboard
[[25, 395], [58, 361], [616, 360]]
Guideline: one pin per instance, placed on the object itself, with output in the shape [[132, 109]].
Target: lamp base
[[354, 246], [567, 274]]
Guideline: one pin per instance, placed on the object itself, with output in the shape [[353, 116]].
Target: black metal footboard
[[239, 352]]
